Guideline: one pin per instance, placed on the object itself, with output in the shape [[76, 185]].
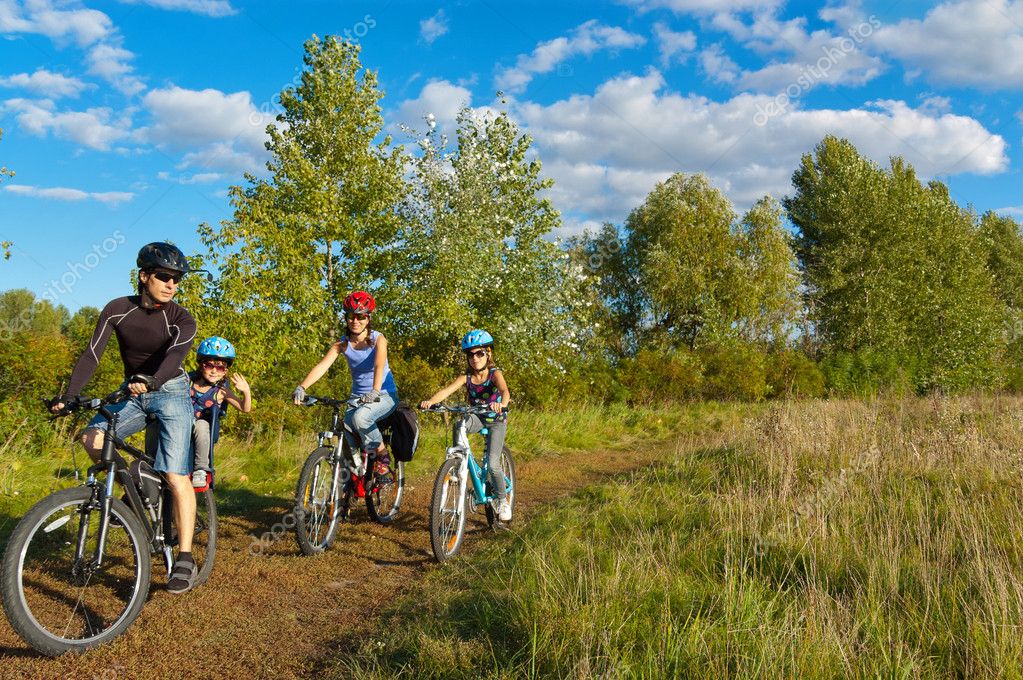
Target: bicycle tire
[[204, 540], [316, 503], [447, 511], [38, 583], [508, 464], [383, 503]]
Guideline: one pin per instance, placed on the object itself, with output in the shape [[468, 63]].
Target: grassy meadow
[[270, 466], [812, 540]]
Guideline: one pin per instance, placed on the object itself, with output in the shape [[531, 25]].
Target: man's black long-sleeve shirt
[[152, 341]]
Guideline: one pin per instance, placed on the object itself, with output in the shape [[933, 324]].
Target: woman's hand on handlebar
[[426, 404]]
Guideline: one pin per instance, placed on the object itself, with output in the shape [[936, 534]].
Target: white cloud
[[438, 97], [89, 29], [110, 62], [718, 66], [46, 84], [81, 25], [969, 42], [220, 131], [211, 8], [607, 150], [66, 194], [586, 39], [1015, 212], [705, 6], [96, 128], [196, 178], [434, 27], [805, 59], [671, 43]]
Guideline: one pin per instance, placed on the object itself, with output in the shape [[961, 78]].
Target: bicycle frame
[[116, 468], [476, 473]]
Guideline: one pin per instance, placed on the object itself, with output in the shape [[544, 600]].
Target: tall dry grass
[[814, 540]]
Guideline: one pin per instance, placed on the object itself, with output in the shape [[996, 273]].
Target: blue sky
[[126, 121]]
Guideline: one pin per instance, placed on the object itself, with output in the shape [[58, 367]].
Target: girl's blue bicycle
[[462, 485]]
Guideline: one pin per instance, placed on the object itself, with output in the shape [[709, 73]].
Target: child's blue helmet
[[477, 338], [216, 348]]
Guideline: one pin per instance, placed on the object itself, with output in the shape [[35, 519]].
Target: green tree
[[477, 253], [323, 223], [1003, 245], [895, 271], [689, 274]]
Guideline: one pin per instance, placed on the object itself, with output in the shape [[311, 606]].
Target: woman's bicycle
[[462, 485], [77, 568], [334, 475]]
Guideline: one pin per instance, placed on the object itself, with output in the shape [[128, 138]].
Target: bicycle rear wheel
[[61, 603], [447, 511], [383, 501], [204, 540], [317, 511], [508, 465], [204, 536]]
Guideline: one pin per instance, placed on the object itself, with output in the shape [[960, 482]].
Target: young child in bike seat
[[485, 386], [209, 391], [372, 382]]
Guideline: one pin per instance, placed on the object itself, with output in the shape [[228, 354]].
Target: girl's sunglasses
[[478, 353], [215, 365], [167, 276], [356, 317]]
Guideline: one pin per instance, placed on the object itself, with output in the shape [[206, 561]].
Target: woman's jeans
[[363, 420]]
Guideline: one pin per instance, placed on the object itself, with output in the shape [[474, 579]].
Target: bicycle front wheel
[[383, 498], [447, 511], [55, 595], [316, 503]]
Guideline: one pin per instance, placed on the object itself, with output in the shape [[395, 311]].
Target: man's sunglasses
[[167, 276], [478, 353], [218, 365]]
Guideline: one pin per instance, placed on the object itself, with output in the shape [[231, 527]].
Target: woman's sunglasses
[[478, 353], [215, 365], [356, 317], [167, 276]]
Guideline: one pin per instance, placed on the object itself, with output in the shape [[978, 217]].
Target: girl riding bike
[[209, 391], [485, 386], [372, 382]]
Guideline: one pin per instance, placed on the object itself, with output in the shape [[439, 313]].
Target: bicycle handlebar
[[466, 409], [311, 400]]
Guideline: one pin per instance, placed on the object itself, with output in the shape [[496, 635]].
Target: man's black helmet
[[161, 255]]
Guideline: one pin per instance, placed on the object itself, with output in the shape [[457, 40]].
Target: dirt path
[[268, 612]]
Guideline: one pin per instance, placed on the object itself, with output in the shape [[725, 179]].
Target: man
[[155, 334]]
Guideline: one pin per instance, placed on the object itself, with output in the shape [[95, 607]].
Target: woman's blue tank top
[[360, 363]]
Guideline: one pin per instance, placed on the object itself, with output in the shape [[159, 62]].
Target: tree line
[[882, 282]]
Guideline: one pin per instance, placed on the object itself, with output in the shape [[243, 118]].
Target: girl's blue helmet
[[477, 338], [216, 348]]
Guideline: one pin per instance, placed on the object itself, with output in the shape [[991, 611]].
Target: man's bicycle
[[77, 568], [463, 485], [334, 475]]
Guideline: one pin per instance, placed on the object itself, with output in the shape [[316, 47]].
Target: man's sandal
[[183, 577]]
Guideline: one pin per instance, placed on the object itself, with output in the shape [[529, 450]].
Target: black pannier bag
[[404, 426], [147, 480]]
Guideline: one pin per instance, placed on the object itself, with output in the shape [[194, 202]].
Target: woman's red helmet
[[359, 302]]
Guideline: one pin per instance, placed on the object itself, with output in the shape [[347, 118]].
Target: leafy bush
[[792, 374], [734, 372], [655, 376]]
